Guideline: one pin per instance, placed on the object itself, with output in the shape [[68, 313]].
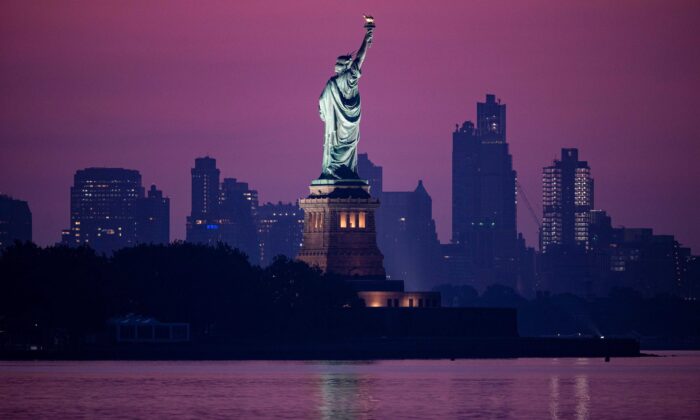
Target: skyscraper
[[222, 213], [153, 218], [103, 202], [238, 207], [567, 201], [202, 224], [406, 236], [372, 173], [491, 120], [15, 221], [484, 197], [280, 230]]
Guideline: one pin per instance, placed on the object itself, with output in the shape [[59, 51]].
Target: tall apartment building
[[567, 201]]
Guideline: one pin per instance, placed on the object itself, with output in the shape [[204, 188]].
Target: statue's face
[[342, 63]]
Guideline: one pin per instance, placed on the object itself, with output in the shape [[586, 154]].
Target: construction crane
[[521, 190]]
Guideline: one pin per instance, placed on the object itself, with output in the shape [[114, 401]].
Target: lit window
[[353, 220], [343, 220], [361, 222]]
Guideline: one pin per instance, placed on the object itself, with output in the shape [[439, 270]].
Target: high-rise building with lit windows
[[567, 201], [491, 120], [202, 224], [103, 208]]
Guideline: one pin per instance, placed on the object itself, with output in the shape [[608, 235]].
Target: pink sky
[[152, 85]]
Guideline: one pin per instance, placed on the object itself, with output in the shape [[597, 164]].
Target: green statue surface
[[339, 106]]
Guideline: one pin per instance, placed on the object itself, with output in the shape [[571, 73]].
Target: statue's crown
[[344, 59]]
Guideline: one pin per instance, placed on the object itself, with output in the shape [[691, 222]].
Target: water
[[664, 387]]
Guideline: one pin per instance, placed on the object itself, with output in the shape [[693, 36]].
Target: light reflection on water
[[665, 387], [582, 396], [554, 397]]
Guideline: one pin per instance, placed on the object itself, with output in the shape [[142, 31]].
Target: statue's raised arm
[[362, 52]]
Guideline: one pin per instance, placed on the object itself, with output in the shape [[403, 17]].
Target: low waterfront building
[[134, 328]]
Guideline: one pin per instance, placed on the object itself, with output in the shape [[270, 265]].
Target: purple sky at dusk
[[152, 85]]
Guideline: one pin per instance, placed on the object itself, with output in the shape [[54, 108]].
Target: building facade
[[238, 208], [638, 259], [373, 174], [484, 198], [280, 231], [153, 218], [406, 233], [222, 212], [619, 258], [203, 225], [15, 221], [407, 237], [567, 201], [103, 212]]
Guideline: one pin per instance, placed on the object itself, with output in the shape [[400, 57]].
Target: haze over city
[[149, 87], [196, 203]]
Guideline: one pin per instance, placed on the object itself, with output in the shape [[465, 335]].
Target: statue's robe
[[339, 106]]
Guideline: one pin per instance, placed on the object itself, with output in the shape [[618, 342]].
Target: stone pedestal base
[[339, 229]]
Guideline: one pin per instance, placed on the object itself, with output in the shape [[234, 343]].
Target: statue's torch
[[369, 25]]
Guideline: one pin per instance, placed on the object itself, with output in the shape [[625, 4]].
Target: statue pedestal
[[339, 229]]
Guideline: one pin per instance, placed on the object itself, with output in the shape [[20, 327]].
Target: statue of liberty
[[339, 107]]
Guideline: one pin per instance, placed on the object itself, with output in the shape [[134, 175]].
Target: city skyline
[[190, 225], [114, 118]]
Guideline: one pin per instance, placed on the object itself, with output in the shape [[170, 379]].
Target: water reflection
[[640, 388], [583, 397], [345, 394], [475, 395], [554, 397], [570, 398]]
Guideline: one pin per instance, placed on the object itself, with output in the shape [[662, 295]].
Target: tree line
[[73, 292], [215, 289]]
